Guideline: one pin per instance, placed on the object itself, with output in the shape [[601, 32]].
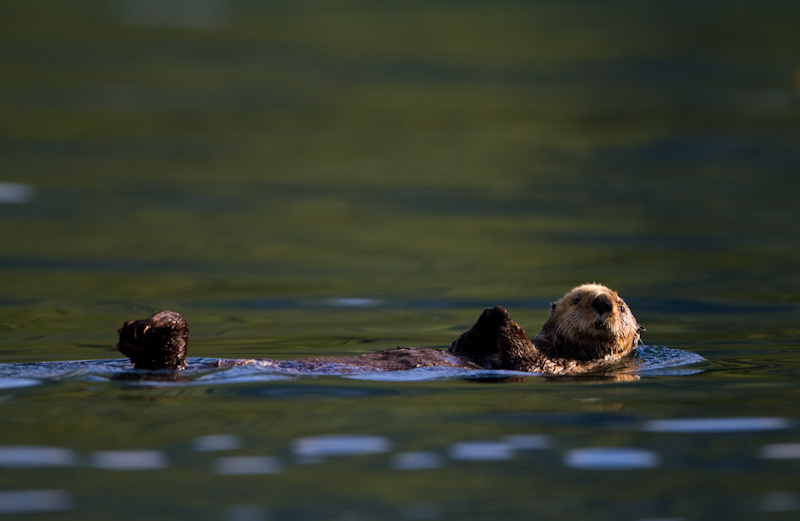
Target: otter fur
[[589, 328]]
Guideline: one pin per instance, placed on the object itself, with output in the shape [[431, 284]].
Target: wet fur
[[157, 342], [589, 329]]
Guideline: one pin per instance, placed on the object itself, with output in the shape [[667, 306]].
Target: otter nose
[[602, 304]]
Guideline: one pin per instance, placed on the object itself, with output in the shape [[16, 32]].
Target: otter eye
[[576, 300], [622, 309]]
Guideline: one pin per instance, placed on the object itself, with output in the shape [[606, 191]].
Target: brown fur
[[589, 328], [157, 342]]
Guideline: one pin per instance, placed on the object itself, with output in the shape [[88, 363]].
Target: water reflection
[[247, 465], [316, 448], [36, 456], [217, 442], [781, 502], [15, 193], [781, 451], [421, 511], [353, 302], [246, 513], [32, 501], [186, 14], [482, 451], [716, 425], [13, 383], [611, 458], [651, 360], [340, 445], [417, 460], [422, 374], [528, 441], [129, 460]]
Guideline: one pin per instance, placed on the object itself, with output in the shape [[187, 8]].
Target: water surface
[[317, 179]]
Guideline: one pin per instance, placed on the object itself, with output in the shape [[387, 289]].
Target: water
[[314, 179]]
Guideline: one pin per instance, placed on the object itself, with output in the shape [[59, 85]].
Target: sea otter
[[589, 328]]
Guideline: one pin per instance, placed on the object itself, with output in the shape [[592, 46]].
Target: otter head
[[591, 322], [158, 342]]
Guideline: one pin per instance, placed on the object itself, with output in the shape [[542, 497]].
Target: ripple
[[482, 451], [659, 361], [353, 302], [251, 373], [31, 501], [76, 369], [653, 360], [417, 460], [781, 451], [16, 193], [611, 458], [246, 513], [247, 465], [340, 445], [716, 425], [422, 374], [781, 502], [420, 512], [528, 441], [36, 456], [195, 14], [13, 383], [129, 460], [217, 442], [320, 392]]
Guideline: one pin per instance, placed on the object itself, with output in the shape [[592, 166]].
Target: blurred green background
[[211, 148]]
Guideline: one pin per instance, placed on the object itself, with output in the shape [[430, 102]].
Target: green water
[[252, 165]]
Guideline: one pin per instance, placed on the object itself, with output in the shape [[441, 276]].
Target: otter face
[[592, 322], [158, 342]]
